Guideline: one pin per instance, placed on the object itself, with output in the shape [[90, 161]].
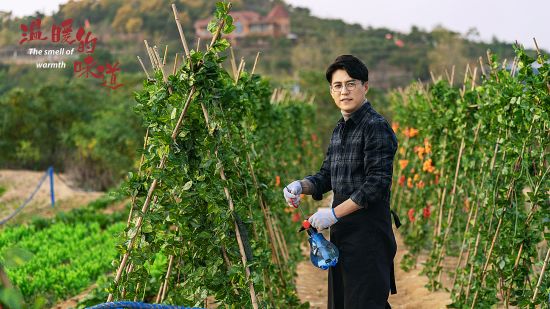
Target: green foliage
[[52, 259], [66, 258], [190, 222], [51, 126], [487, 187]]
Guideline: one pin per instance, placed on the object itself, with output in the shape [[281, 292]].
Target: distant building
[[249, 23]]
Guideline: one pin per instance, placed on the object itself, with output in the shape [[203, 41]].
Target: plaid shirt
[[359, 160]]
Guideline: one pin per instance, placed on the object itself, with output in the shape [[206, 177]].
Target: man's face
[[348, 93]]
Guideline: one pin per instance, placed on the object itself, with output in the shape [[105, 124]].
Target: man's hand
[[323, 218], [292, 193]]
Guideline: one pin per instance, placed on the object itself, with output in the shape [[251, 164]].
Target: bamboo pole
[[236, 226], [255, 62], [175, 68], [165, 55], [451, 211], [232, 61], [474, 222], [474, 76], [144, 69], [239, 70], [541, 276], [481, 66], [508, 195], [180, 30], [161, 66], [452, 75], [148, 49]]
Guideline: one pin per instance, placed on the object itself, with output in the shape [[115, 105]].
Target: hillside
[[78, 125]]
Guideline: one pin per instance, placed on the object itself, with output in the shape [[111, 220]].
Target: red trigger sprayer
[[323, 254]]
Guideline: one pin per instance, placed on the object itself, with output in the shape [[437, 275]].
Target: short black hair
[[352, 65]]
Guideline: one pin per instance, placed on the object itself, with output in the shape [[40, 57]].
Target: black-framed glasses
[[350, 86]]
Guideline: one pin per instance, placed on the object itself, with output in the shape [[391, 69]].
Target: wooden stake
[[180, 30], [165, 55], [474, 76], [153, 65], [240, 70], [233, 62], [174, 69], [452, 210], [452, 75], [143, 67], [481, 66], [255, 62], [541, 273], [198, 44], [433, 77], [161, 66]]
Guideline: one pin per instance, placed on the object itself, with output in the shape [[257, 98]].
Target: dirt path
[[312, 286], [20, 184]]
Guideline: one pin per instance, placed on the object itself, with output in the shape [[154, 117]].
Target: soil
[[20, 184], [312, 286]]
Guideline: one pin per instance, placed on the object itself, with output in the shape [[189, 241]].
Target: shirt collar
[[356, 116]]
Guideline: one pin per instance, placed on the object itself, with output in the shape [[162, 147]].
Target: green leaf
[[212, 26], [15, 257], [187, 185], [11, 297]]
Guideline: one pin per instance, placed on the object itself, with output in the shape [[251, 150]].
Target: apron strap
[[393, 288], [395, 219]]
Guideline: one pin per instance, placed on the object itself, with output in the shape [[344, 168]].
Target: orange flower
[[428, 166], [427, 146], [277, 181], [416, 177], [409, 183], [402, 180], [402, 151], [420, 185], [410, 132], [403, 163], [420, 151], [394, 126]]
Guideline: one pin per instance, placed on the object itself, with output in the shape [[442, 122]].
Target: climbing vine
[[474, 181], [209, 222]]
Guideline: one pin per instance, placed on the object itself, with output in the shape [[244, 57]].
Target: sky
[[507, 20]]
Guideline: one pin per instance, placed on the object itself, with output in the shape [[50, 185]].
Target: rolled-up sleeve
[[321, 181], [379, 149]]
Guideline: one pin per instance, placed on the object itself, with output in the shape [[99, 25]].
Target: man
[[358, 169]]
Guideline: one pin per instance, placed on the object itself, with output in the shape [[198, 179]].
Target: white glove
[[323, 218], [292, 193]]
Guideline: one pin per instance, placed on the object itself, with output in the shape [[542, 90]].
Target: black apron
[[364, 275]]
